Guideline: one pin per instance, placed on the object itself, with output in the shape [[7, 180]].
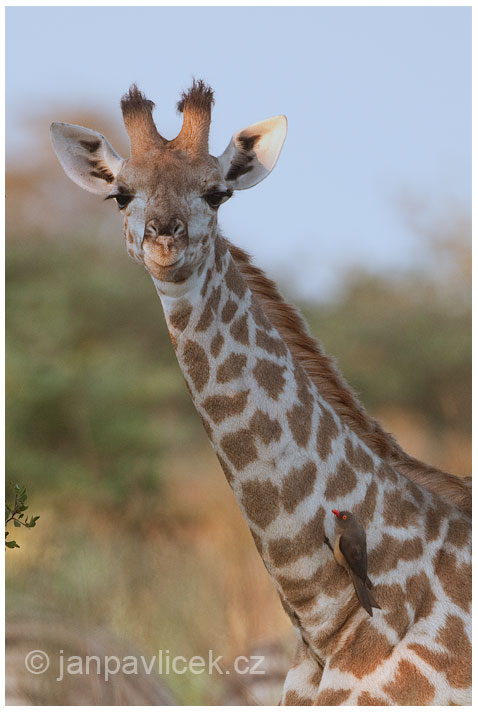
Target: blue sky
[[378, 102]]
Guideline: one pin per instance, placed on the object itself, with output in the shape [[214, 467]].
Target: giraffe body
[[282, 473], [287, 452]]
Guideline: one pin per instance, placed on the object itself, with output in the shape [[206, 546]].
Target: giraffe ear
[[253, 152], [86, 156]]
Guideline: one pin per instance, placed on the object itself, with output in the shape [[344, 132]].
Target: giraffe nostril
[[151, 229], [178, 228], [174, 229]]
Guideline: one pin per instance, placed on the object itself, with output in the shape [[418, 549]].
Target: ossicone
[[138, 120]]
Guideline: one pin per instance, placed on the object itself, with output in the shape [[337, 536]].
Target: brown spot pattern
[[334, 578], [299, 418], [433, 519], [240, 330], [391, 550], [234, 280], [317, 677], [459, 532], [181, 274], [302, 384], [330, 696], [217, 344], [342, 482], [231, 368], [273, 346], [261, 501], [326, 433], [392, 600], [302, 592], [228, 311], [265, 428], [385, 472], [210, 308], [297, 485], [239, 448], [259, 316], [196, 362], [358, 457], [456, 663], [454, 577], [294, 699], [366, 700], [179, 317], [420, 595], [363, 651], [416, 493], [398, 511], [219, 252], [432, 523], [205, 285], [366, 509], [220, 407], [328, 579], [284, 550], [345, 620], [269, 376], [409, 686]]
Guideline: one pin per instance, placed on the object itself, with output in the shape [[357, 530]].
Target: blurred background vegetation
[[140, 545]]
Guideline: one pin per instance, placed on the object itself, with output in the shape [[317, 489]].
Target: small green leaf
[[16, 524]]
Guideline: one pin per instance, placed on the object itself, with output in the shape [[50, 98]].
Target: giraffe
[[290, 435]]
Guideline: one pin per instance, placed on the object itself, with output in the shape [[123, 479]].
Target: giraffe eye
[[122, 200], [215, 197]]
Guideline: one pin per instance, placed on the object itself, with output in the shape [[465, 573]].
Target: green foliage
[[15, 513], [94, 396], [401, 345]]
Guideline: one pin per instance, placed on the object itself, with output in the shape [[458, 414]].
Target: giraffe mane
[[337, 392]]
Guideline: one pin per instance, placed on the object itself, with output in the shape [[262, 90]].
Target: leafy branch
[[16, 513]]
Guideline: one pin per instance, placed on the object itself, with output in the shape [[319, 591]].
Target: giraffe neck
[[287, 456]]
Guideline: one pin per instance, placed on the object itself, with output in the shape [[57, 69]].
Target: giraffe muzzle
[[165, 243]]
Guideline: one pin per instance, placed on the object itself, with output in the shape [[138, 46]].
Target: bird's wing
[[355, 554]]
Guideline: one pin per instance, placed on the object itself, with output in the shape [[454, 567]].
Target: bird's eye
[[122, 200], [344, 516], [215, 197]]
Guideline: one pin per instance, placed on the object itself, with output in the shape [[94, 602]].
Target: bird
[[350, 551]]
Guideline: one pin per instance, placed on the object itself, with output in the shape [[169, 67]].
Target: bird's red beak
[[336, 512]]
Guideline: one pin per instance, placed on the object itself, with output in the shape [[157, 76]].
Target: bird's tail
[[373, 601], [365, 596], [369, 585]]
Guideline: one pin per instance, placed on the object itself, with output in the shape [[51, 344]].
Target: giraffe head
[[169, 191]]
